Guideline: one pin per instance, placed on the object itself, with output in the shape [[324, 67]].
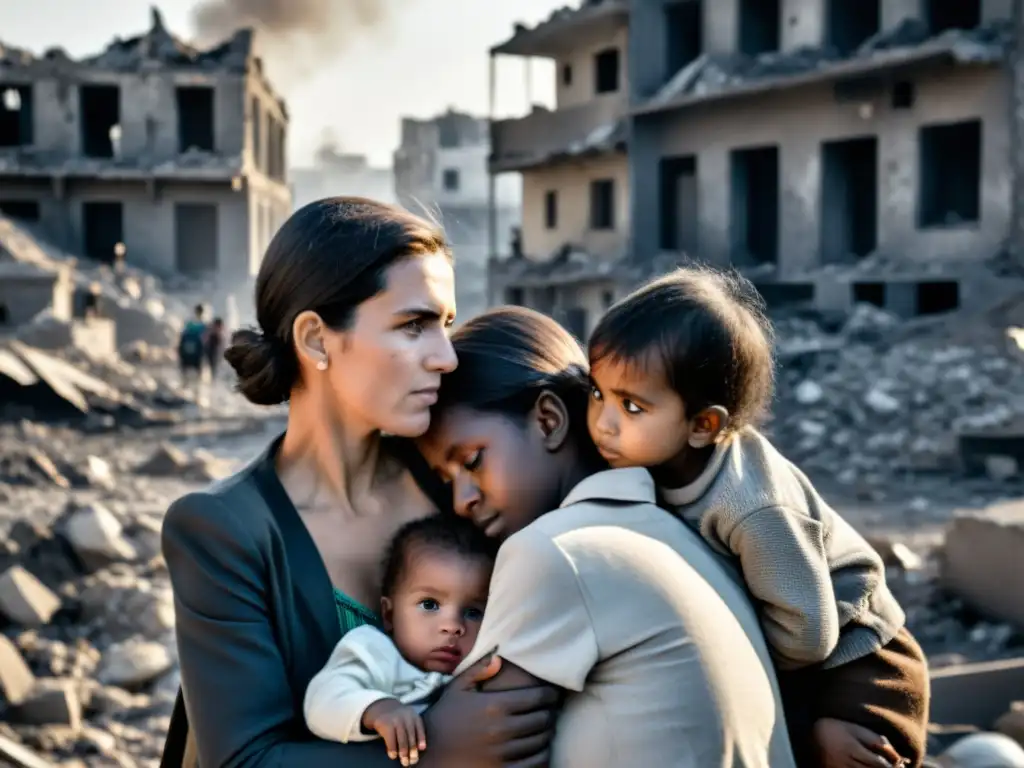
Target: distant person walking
[[191, 349], [213, 349]]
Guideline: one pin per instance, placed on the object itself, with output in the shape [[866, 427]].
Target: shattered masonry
[[171, 154]]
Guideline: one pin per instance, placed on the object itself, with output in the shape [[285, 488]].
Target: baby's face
[[635, 418], [435, 612]]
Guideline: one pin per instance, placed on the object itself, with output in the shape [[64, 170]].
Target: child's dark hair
[[707, 329], [444, 532], [507, 357]]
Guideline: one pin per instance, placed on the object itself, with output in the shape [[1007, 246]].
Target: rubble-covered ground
[[868, 405]]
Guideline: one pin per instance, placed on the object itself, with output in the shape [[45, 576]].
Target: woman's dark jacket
[[256, 620]]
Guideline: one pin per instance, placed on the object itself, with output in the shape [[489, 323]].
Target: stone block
[[25, 600], [982, 561], [16, 679]]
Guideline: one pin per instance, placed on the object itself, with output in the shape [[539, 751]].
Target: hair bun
[[265, 367]]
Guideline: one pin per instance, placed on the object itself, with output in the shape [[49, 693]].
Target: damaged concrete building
[[440, 169], [169, 157], [572, 160], [340, 173], [842, 151], [836, 151]]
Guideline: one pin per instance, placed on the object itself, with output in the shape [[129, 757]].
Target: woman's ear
[[552, 417], [308, 332]]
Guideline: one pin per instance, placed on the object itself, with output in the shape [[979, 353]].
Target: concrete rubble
[[868, 397], [87, 656], [709, 75], [88, 672]]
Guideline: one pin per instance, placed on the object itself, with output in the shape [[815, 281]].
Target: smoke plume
[[293, 37]]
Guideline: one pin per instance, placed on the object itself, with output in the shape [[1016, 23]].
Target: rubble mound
[[877, 397]]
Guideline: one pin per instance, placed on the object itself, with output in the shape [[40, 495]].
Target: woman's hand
[[467, 727]]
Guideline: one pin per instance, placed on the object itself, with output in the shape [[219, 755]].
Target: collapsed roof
[[157, 46], [542, 38], [909, 42]]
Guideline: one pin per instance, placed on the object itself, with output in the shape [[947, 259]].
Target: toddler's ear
[[707, 425]]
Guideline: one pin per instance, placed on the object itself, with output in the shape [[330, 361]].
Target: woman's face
[[385, 370], [504, 473]]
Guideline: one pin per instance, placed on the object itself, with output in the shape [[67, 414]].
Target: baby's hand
[[400, 727], [846, 745]]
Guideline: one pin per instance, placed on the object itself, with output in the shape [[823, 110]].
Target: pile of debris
[[873, 397], [908, 41], [87, 654]]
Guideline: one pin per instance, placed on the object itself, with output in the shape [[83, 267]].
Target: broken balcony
[[546, 135], [565, 28], [595, 123]]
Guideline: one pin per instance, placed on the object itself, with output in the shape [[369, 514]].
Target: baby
[[434, 590], [682, 370]]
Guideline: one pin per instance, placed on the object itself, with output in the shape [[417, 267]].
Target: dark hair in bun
[[329, 257]]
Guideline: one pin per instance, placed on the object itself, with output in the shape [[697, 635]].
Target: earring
[[322, 364]]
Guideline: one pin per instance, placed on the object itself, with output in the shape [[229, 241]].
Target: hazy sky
[[434, 55]]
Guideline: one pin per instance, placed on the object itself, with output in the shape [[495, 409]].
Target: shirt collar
[[632, 485]]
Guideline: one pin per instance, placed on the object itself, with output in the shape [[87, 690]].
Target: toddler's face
[[635, 418], [435, 612]]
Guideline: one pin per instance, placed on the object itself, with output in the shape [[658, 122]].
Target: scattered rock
[[134, 663], [99, 473], [97, 536], [16, 679], [25, 600], [51, 702]]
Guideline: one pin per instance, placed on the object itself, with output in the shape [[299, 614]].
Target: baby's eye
[[429, 604], [474, 614], [595, 393], [631, 407]]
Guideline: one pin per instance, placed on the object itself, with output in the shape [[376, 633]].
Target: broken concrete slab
[[134, 663], [25, 600], [32, 379], [975, 694], [16, 679], [51, 702], [97, 536], [18, 756], [982, 554]]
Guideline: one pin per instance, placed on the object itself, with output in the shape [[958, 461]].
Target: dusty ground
[[125, 726]]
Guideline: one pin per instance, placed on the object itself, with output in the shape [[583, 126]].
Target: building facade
[[441, 171], [336, 173], [170, 157], [572, 159], [837, 151]]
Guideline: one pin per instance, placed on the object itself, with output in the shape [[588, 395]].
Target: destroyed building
[[575, 175], [440, 170], [839, 152], [836, 152], [340, 173], [152, 151]]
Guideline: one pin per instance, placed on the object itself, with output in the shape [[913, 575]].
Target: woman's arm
[[240, 703], [242, 709], [537, 620]]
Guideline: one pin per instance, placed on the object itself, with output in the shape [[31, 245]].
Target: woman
[[608, 596], [270, 567]]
